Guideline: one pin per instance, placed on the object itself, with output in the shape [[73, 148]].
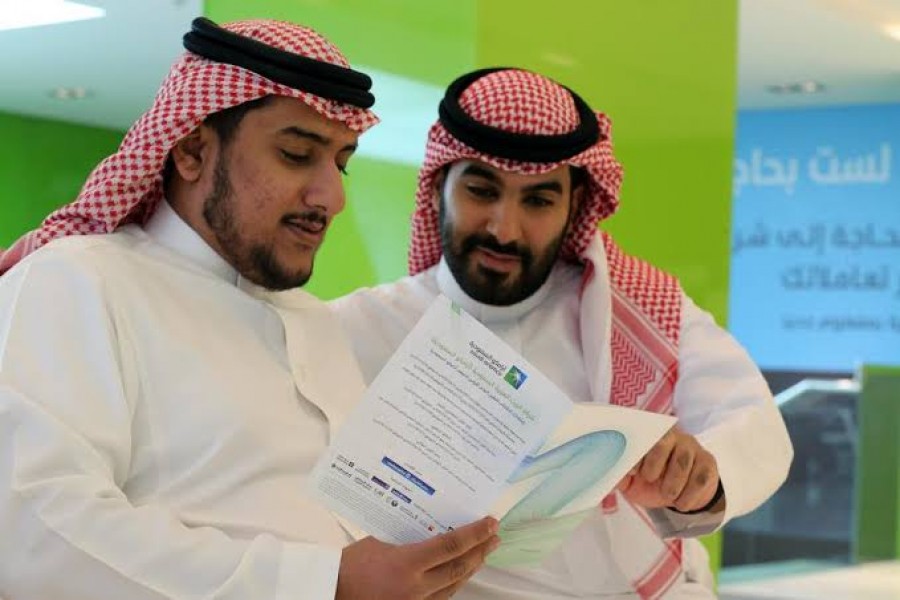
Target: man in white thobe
[[517, 174], [165, 388]]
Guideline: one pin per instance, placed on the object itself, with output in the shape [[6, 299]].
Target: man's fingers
[[678, 472], [654, 463], [449, 546], [625, 484], [701, 486], [443, 580], [434, 568], [450, 591]]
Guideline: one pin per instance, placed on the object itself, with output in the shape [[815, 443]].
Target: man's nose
[[326, 190], [503, 222]]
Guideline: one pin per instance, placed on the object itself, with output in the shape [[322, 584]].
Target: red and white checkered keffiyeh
[[517, 101], [127, 186]]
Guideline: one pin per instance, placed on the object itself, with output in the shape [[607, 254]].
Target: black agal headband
[[323, 79], [515, 146]]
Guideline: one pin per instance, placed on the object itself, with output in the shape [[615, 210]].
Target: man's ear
[[192, 152], [437, 188], [577, 195]]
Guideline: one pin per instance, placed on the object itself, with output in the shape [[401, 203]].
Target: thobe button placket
[[298, 370]]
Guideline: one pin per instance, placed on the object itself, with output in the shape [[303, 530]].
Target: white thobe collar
[[168, 229], [487, 313]]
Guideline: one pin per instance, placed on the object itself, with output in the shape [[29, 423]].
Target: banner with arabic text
[[815, 271]]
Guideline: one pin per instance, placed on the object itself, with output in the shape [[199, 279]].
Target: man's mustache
[[489, 242], [314, 220]]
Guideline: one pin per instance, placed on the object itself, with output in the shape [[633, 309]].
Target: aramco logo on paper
[[515, 377]]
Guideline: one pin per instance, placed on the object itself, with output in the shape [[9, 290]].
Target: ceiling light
[[70, 93], [34, 13], [798, 87], [893, 30]]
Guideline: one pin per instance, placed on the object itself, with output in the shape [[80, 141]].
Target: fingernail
[[494, 526], [495, 543]]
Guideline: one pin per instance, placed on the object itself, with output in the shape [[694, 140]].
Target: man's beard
[[493, 287], [254, 261]]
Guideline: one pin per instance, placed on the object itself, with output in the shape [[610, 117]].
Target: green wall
[[42, 166], [365, 244], [877, 470]]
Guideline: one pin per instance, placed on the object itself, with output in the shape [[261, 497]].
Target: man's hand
[[676, 473], [433, 569]]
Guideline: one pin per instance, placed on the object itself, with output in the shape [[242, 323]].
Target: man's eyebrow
[[477, 171], [318, 138], [546, 186]]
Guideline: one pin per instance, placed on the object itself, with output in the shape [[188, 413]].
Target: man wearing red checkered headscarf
[[518, 172], [165, 388]]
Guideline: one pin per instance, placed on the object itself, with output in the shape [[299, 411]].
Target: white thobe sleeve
[[722, 398], [67, 390]]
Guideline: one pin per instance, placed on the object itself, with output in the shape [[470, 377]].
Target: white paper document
[[458, 425]]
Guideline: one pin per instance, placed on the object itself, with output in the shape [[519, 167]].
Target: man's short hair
[[225, 124]]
